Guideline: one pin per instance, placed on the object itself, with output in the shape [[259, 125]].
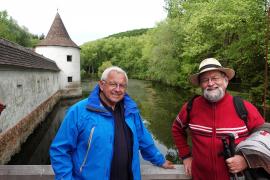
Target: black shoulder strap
[[240, 108], [189, 107]]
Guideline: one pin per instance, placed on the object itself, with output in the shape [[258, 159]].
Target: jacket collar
[[94, 103]]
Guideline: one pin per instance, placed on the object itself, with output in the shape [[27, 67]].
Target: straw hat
[[210, 64]]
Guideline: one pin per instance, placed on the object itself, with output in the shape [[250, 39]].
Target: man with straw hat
[[213, 116]]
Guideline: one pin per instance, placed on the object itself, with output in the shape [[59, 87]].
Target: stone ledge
[[45, 172]]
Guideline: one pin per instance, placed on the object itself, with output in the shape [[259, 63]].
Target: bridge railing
[[45, 172]]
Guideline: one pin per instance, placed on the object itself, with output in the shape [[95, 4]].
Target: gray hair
[[107, 71]]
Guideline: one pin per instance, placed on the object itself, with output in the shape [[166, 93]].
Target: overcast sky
[[86, 20]]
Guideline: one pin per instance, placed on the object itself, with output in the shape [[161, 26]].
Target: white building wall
[[22, 90], [59, 55]]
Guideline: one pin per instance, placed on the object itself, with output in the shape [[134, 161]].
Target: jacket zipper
[[88, 148], [214, 139]]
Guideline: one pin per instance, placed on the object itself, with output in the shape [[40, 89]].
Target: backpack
[[238, 105]]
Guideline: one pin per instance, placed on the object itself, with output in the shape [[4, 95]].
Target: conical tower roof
[[57, 35]]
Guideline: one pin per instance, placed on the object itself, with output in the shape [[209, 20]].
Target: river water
[[159, 105]]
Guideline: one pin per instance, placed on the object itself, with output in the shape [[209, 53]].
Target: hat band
[[209, 66]]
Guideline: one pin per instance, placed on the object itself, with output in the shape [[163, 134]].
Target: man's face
[[113, 88], [213, 84]]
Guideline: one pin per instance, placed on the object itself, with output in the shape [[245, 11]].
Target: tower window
[[69, 58], [69, 78]]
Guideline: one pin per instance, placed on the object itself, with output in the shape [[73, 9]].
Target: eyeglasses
[[214, 79], [114, 85]]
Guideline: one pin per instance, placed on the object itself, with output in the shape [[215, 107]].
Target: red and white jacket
[[208, 123]]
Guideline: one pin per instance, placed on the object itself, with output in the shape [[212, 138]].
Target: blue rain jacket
[[83, 145]]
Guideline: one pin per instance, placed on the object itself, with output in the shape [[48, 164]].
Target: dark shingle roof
[[58, 35], [12, 54]]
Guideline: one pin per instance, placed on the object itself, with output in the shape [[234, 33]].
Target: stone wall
[[22, 91], [29, 95]]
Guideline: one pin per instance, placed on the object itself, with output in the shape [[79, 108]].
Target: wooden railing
[[45, 172]]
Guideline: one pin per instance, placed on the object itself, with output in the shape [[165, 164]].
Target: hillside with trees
[[135, 32], [10, 30], [233, 31]]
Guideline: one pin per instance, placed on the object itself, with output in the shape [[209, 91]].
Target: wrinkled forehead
[[211, 74], [116, 76]]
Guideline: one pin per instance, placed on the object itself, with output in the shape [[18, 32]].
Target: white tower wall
[[68, 68]]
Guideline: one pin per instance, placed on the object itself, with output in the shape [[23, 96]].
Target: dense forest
[[234, 31]]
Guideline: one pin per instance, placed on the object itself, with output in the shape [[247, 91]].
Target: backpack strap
[[240, 108], [189, 107], [238, 105]]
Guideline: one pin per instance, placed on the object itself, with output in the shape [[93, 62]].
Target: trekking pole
[[232, 144], [227, 153], [240, 175]]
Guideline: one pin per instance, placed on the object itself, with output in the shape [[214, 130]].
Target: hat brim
[[194, 79]]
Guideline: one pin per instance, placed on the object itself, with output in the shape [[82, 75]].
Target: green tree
[[10, 30]]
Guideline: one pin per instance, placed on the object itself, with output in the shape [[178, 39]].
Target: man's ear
[[226, 80], [101, 84]]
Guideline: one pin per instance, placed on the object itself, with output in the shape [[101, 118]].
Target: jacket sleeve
[[147, 146], [179, 133], [63, 145]]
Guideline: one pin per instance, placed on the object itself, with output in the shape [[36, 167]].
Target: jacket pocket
[[88, 148]]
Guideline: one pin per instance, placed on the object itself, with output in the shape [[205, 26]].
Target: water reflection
[[35, 150]]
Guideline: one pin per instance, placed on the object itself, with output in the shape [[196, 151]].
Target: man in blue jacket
[[101, 136]]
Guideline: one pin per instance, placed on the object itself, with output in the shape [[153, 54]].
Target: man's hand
[[168, 165], [187, 166], [236, 164]]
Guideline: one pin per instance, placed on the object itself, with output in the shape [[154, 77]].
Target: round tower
[[59, 47]]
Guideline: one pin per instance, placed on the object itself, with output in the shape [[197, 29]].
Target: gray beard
[[214, 95]]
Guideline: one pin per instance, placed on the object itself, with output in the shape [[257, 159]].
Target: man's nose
[[118, 87], [210, 82]]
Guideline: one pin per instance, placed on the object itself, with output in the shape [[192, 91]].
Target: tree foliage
[[125, 52], [232, 31], [10, 30]]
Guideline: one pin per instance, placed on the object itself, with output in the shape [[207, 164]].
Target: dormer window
[[69, 58]]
